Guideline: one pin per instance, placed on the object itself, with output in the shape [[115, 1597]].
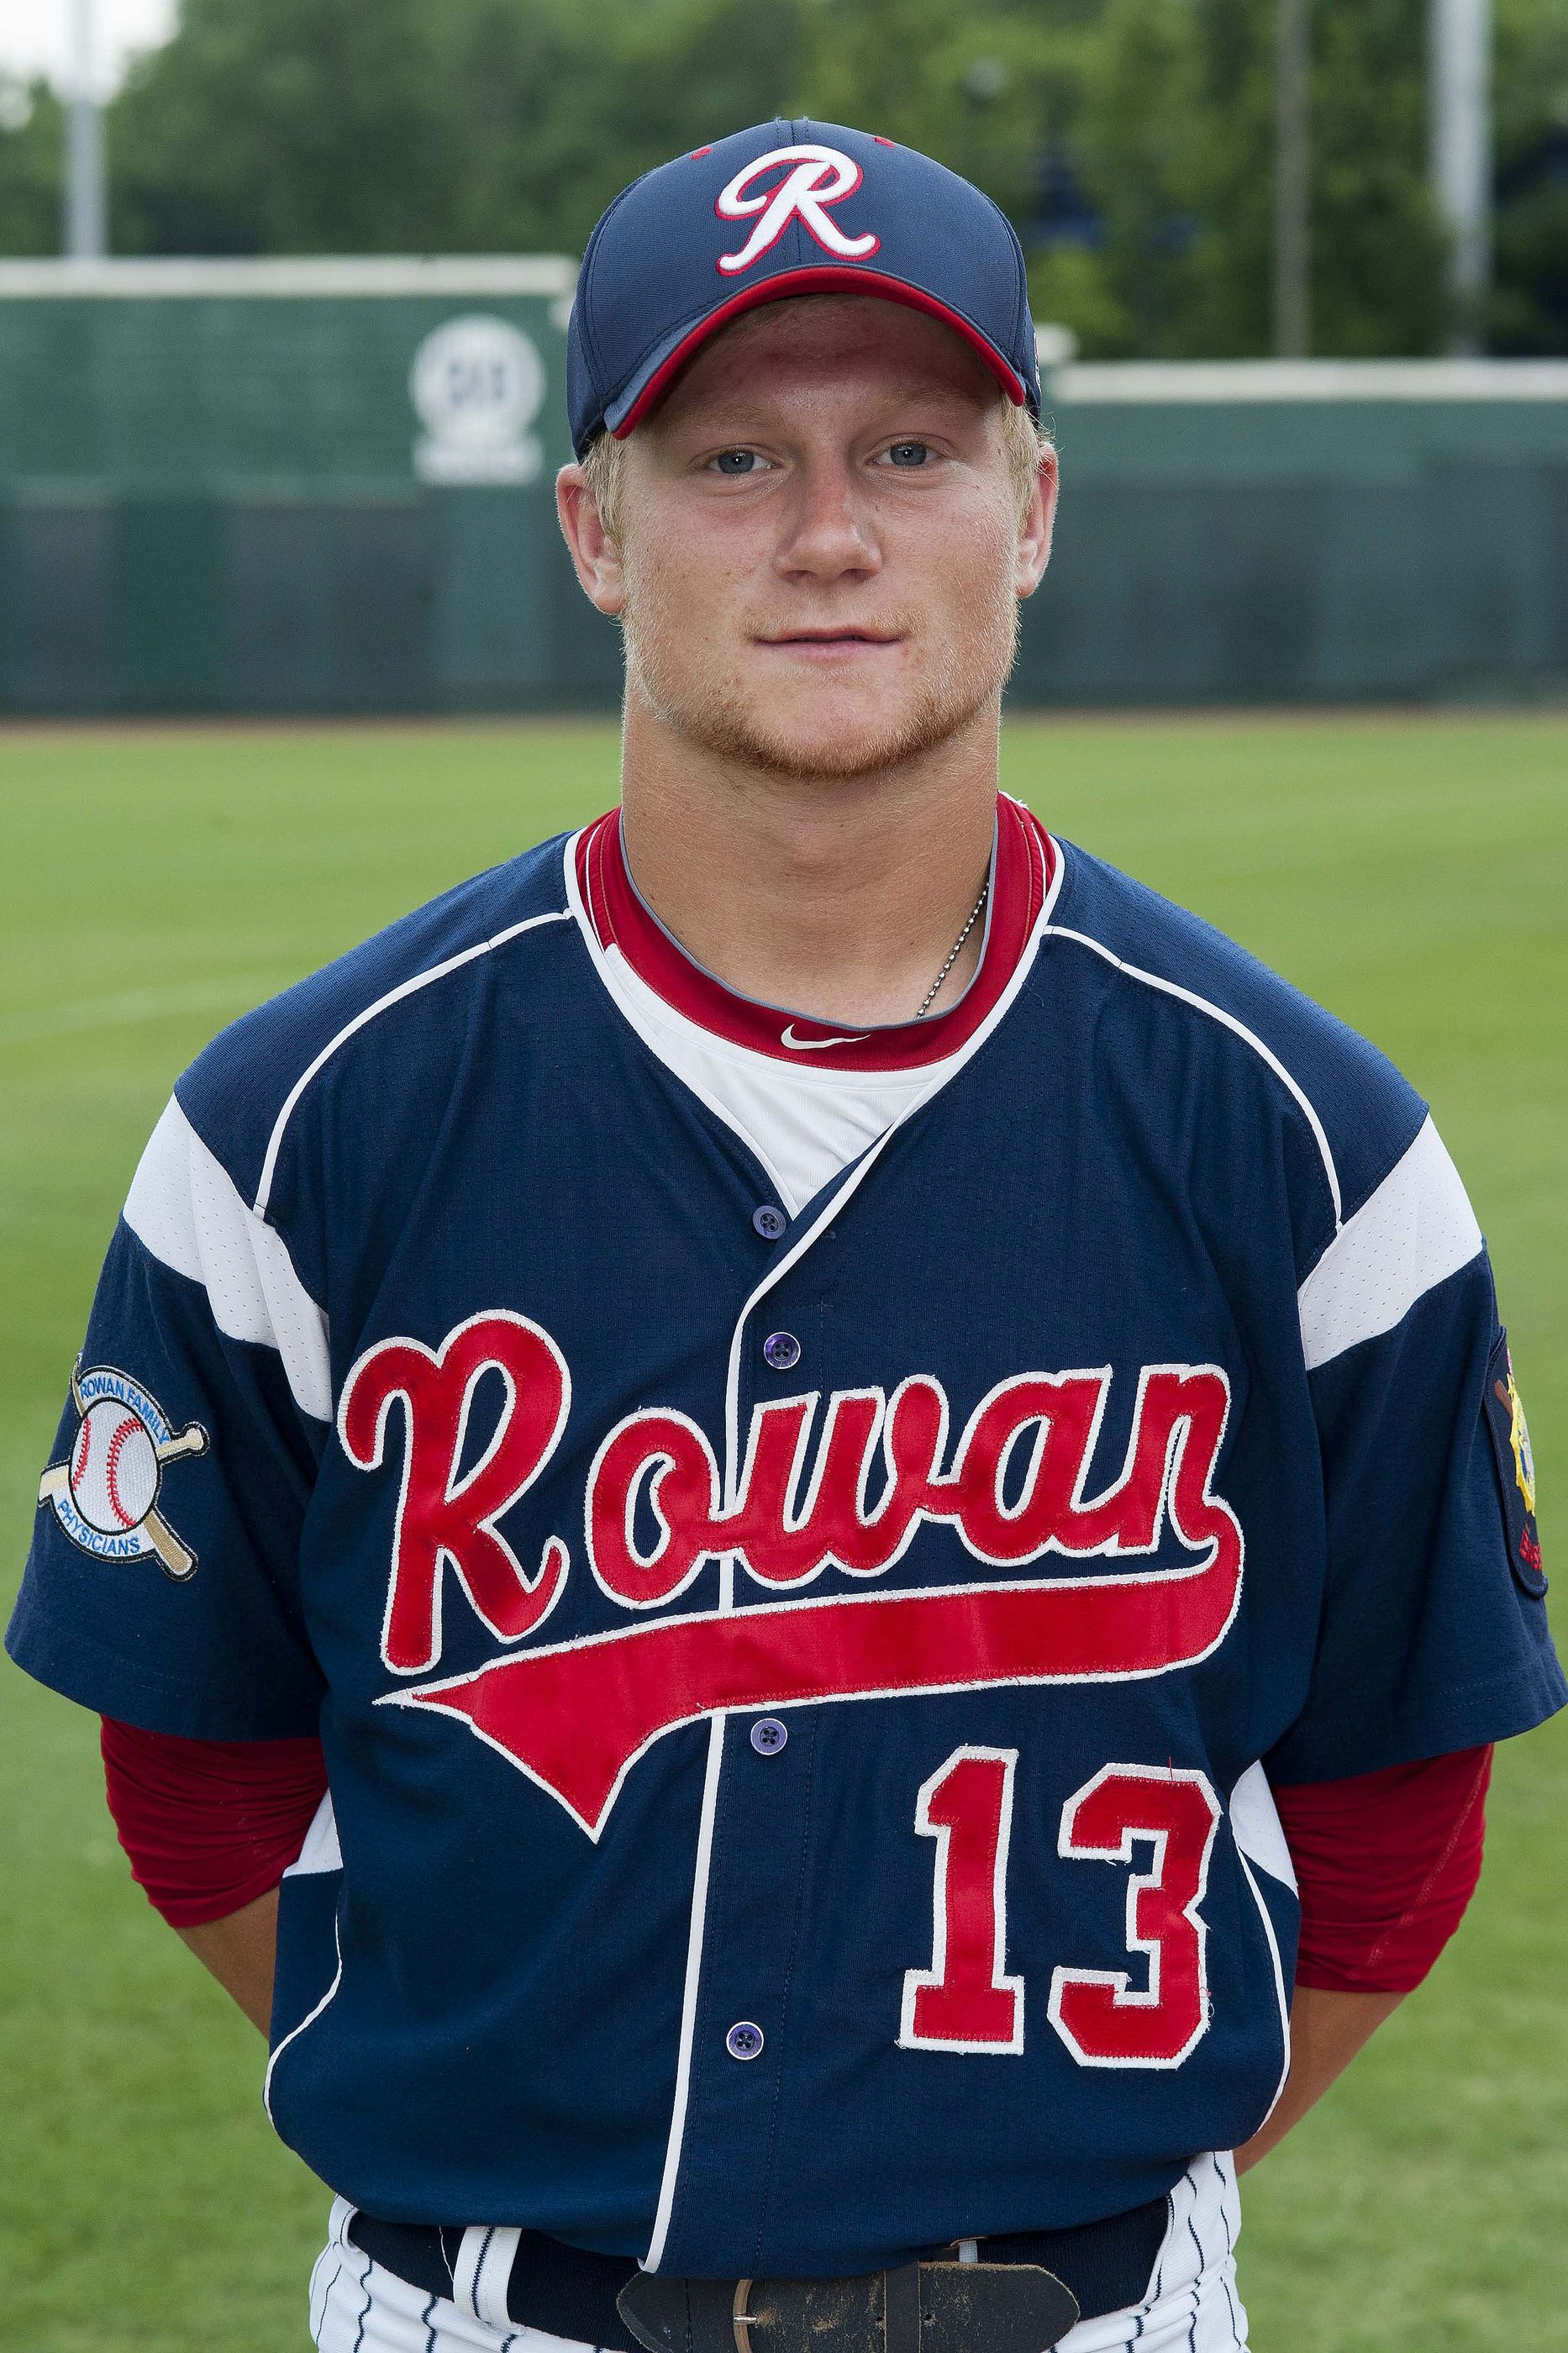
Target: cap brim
[[625, 414]]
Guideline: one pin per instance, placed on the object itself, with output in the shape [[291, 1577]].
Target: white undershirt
[[804, 1123]]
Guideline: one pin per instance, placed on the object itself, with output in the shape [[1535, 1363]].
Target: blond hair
[[1028, 447]]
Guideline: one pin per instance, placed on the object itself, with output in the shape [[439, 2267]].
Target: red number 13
[[966, 2002], [1104, 2019]]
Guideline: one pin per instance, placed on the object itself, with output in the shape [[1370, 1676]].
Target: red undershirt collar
[[1023, 868]]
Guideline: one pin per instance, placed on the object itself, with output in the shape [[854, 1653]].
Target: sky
[[35, 36]]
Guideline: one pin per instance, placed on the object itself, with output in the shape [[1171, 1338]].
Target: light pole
[[83, 236], [1292, 179], [1461, 158]]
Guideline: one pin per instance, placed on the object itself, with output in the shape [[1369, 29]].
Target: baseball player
[[792, 1519]]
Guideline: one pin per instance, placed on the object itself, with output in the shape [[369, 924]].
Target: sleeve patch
[[106, 1493], [1515, 1466]]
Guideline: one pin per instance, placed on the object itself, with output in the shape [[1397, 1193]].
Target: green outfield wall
[[1320, 532], [319, 485]]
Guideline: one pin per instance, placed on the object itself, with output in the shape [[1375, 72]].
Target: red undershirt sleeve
[[208, 1825], [1387, 1863]]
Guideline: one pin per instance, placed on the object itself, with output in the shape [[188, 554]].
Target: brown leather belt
[[1023, 2294], [934, 2307]]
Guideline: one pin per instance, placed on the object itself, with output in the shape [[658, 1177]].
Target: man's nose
[[829, 530]]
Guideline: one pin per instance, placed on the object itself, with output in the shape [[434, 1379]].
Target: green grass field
[[1411, 872]]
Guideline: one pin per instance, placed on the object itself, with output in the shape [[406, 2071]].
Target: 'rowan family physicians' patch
[[105, 1496], [1516, 1467]]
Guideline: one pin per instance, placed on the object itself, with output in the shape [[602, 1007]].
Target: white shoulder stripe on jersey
[[1240, 1029], [1411, 1234], [185, 1208], [392, 997]]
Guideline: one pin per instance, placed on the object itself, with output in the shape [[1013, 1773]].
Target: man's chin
[[836, 747]]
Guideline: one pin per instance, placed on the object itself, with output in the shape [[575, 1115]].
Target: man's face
[[820, 554]]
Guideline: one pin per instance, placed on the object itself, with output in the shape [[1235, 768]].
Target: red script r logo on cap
[[820, 177]]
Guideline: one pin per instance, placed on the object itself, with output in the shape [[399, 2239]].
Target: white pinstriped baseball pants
[[1192, 2305]]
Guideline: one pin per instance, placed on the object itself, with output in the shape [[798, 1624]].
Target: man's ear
[[1039, 520], [595, 554]]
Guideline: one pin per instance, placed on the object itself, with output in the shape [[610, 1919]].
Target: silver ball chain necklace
[[929, 1000]]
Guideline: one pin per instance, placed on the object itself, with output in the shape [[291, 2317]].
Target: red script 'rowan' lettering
[[576, 1714], [442, 1517]]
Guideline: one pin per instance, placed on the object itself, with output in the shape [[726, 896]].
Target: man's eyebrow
[[725, 416]]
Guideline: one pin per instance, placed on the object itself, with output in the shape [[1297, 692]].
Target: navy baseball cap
[[786, 208]]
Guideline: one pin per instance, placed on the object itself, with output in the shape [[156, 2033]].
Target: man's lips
[[831, 641]]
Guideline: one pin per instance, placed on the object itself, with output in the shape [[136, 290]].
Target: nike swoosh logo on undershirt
[[814, 1045]]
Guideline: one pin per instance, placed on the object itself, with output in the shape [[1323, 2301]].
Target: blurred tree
[[977, 84], [1131, 141], [1177, 131], [291, 126], [31, 137], [495, 124], [559, 109], [1138, 116], [1529, 302], [1378, 283]]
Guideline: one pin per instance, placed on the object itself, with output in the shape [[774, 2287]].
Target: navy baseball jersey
[[803, 1607]]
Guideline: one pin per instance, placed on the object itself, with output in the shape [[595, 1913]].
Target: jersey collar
[[1022, 869]]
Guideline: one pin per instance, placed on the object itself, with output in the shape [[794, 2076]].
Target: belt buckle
[[934, 2307]]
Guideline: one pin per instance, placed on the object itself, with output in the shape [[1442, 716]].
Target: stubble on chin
[[716, 713]]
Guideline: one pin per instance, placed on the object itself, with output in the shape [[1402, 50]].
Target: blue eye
[[910, 454], [735, 463]]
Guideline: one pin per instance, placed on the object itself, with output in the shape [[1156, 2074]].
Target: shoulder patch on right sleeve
[[1515, 1468]]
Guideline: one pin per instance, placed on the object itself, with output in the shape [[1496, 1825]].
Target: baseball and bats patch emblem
[[105, 1494], [1516, 1468]]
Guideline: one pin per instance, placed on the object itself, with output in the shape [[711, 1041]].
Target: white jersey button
[[743, 2040], [768, 1735], [782, 1350]]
